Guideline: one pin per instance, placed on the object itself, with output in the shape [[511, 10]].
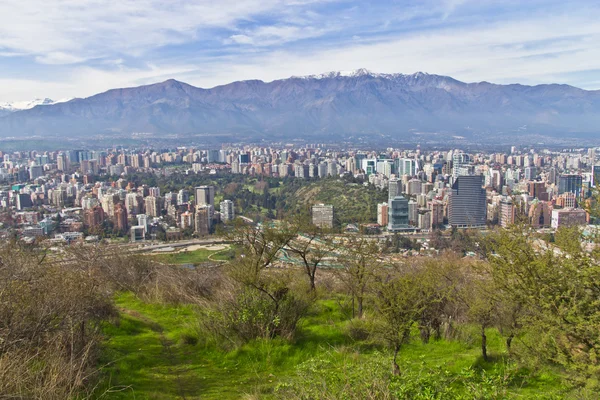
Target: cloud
[[86, 29], [58, 57], [82, 47]]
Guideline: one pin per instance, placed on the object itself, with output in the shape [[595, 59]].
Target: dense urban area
[[182, 193]]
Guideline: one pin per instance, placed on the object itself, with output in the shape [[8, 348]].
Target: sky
[[76, 48]]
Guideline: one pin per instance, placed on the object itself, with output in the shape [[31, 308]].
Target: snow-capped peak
[[26, 105], [361, 72]]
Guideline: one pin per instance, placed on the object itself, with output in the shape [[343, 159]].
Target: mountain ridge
[[337, 103]]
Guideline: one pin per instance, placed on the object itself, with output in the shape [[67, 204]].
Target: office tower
[[530, 173], [394, 188], [212, 156], [398, 214], [386, 167], [460, 164], [382, 214], [596, 176], [203, 219], [227, 212], [571, 184], [35, 171], [205, 195], [406, 166], [23, 201], [414, 186], [322, 215], [369, 166], [467, 202]]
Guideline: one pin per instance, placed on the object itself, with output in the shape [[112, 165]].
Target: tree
[[398, 304], [265, 304], [359, 259], [311, 246]]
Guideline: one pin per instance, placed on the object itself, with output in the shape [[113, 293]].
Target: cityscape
[[76, 194], [299, 200]]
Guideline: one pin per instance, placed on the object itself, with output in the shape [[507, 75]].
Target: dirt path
[[167, 346]]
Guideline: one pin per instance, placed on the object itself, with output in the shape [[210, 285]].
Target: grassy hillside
[[157, 352]]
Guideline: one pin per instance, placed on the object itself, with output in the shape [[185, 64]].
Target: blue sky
[[76, 48]]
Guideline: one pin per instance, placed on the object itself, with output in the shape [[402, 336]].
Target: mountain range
[[9, 107], [335, 104]]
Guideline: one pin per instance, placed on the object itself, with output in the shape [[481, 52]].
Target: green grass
[[156, 352], [194, 257]]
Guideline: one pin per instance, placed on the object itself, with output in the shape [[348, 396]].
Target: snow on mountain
[[26, 105]]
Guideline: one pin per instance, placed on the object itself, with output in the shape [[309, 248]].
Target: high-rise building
[[322, 215], [205, 195], [152, 206], [570, 183], [414, 186], [120, 217], [537, 190], [437, 213], [203, 219], [183, 196], [460, 164], [394, 188], [398, 214], [35, 171], [530, 173], [23, 201], [62, 162], [93, 217], [508, 212], [424, 219], [382, 214], [406, 166], [596, 176], [133, 203], [413, 213], [227, 212], [467, 202]]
